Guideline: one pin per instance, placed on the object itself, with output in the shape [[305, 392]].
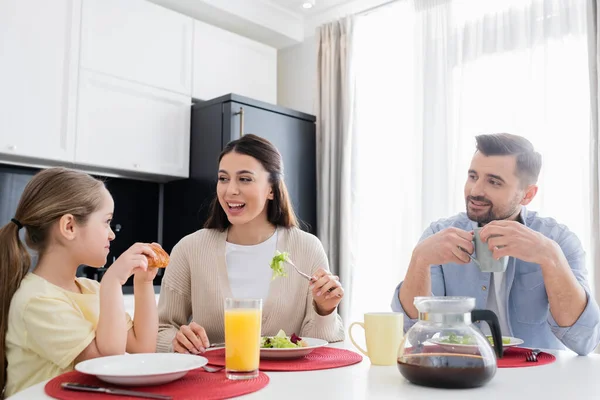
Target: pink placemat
[[196, 385], [514, 357]]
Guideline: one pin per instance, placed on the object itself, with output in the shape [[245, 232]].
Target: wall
[[297, 76], [297, 64]]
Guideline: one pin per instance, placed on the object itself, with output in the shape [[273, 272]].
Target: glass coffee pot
[[445, 349]]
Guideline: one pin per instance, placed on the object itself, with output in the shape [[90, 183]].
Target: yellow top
[[48, 327]]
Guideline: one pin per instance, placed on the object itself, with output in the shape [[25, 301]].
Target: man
[[543, 297]]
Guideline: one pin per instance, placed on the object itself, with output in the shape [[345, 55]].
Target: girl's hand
[[327, 291], [131, 261], [148, 275]]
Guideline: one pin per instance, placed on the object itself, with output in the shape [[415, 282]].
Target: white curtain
[[430, 76], [594, 69]]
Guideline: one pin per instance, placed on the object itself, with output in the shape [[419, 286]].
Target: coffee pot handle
[[492, 320]]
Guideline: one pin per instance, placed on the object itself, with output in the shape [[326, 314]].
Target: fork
[[532, 355], [211, 369], [287, 259]]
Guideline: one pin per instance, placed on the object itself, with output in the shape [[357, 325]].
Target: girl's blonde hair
[[49, 195]]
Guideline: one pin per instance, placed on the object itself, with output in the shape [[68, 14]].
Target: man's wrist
[[550, 255], [419, 259]]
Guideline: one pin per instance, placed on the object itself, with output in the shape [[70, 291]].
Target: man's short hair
[[529, 161]]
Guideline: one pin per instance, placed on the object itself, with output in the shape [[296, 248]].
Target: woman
[[251, 217]]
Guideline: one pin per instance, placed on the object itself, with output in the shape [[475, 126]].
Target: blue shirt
[[527, 306]]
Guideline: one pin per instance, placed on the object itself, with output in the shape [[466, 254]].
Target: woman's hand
[[327, 291], [190, 339]]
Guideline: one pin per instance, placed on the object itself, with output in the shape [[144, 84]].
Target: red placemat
[[196, 385], [321, 358], [514, 357]]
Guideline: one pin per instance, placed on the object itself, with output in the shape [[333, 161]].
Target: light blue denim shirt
[[527, 306]]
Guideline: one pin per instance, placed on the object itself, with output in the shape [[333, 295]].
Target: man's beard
[[492, 214]]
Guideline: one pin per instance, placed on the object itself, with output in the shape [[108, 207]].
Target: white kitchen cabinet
[[228, 63], [126, 126], [138, 41], [39, 44]]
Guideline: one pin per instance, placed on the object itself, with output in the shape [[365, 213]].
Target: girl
[[251, 217], [50, 319]]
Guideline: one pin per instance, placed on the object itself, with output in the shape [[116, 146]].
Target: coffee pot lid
[[444, 304]]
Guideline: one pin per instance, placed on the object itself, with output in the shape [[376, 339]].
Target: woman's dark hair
[[279, 210]]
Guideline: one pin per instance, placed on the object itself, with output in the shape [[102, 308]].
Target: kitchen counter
[[130, 303], [569, 377]]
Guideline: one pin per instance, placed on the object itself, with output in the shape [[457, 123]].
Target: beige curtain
[[336, 149]]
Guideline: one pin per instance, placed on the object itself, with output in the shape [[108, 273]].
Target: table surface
[[569, 377]]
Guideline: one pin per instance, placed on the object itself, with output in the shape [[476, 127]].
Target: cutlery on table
[[532, 355], [119, 392], [212, 369]]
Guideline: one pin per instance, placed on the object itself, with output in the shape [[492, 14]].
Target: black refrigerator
[[215, 123]]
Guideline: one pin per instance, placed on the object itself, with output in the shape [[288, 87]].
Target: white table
[[569, 377]]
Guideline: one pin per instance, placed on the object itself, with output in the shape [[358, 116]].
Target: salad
[[455, 339], [505, 340], [277, 264], [282, 341]]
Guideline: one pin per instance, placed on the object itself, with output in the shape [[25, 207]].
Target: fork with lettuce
[[277, 265]]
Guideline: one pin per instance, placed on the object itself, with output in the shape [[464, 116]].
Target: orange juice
[[242, 339]]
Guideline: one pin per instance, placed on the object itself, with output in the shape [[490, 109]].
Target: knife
[[97, 389]]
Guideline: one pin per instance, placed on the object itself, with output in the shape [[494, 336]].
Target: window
[[431, 77]]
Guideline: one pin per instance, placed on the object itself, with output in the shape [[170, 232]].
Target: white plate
[[141, 369], [286, 354], [470, 348]]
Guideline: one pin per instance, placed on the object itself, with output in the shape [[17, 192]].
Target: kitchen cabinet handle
[[12, 147], [241, 114]]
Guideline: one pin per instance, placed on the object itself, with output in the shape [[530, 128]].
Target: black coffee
[[445, 370]]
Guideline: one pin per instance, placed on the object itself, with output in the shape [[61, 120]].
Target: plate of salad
[[281, 346], [466, 343]]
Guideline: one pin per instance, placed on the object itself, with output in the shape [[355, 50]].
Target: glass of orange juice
[[242, 337]]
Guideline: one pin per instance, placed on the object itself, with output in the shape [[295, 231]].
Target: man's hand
[[513, 239], [450, 245]]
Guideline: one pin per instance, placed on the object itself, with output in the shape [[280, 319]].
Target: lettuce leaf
[[277, 264], [279, 341]]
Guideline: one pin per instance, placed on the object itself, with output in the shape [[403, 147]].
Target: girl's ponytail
[[14, 265]]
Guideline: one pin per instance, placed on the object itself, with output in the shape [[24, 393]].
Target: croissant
[[161, 260]]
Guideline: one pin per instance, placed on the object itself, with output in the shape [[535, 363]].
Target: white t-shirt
[[248, 268], [497, 303]]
